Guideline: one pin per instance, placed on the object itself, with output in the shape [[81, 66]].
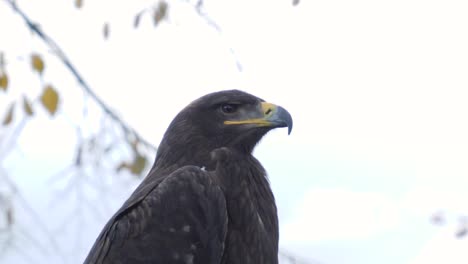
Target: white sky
[[378, 91]]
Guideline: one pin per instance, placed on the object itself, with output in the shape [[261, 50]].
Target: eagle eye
[[229, 108]]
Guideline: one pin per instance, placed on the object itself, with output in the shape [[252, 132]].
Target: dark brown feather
[[182, 213]]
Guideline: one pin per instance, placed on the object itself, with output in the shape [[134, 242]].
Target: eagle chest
[[251, 223]]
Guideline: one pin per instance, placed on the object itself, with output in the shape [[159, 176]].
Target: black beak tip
[[285, 118], [289, 124]]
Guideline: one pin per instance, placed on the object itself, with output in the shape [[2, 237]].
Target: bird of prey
[[206, 200]]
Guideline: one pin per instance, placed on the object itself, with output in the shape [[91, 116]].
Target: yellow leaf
[[37, 63], [3, 81], [123, 165], [27, 107], [160, 12], [50, 99], [138, 165], [9, 116], [78, 3]]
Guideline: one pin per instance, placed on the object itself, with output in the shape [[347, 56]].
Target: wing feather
[[183, 219]]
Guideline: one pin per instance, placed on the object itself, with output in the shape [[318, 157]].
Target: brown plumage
[[206, 200]]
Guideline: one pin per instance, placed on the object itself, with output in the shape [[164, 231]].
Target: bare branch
[[68, 64]]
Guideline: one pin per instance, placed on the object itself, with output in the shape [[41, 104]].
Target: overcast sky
[[378, 91]]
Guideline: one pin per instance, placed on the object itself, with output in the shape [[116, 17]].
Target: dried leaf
[[50, 99], [79, 154], [10, 217], [138, 165], [123, 165], [37, 63], [108, 148], [136, 20], [134, 144], [78, 3], [462, 232], [2, 60], [160, 12], [438, 218], [27, 107], [105, 31], [9, 115], [3, 81], [199, 5]]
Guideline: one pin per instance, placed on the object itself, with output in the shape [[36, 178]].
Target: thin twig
[[12, 138], [39, 223], [290, 258], [198, 7]]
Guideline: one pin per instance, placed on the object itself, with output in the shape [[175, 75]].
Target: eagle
[[207, 199]]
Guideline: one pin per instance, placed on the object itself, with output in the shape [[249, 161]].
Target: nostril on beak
[[268, 111]]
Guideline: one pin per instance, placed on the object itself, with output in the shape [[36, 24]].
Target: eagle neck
[[175, 154]]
